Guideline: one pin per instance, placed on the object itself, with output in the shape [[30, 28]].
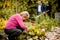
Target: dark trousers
[[13, 33]]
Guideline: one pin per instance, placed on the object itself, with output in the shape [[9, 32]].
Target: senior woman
[[15, 25]]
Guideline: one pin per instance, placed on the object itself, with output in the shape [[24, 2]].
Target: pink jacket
[[14, 21]]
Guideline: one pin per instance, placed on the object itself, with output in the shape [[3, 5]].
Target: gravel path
[[54, 34]]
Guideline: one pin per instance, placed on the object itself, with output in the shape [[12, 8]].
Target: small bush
[[2, 24]]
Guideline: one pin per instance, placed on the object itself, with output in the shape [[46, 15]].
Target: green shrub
[[48, 23], [33, 33], [10, 7], [2, 24], [42, 24]]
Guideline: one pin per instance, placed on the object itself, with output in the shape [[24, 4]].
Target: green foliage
[[10, 7], [6, 8], [45, 21], [42, 24], [2, 24], [33, 33], [54, 5]]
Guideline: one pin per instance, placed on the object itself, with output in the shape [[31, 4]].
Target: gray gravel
[[54, 34]]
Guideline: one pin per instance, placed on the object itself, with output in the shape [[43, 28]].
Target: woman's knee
[[17, 32]]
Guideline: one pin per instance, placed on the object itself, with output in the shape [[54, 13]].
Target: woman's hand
[[26, 28]]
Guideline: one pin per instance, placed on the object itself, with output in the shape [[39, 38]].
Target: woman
[[15, 25]]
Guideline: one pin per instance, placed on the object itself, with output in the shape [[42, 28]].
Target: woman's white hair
[[25, 13]]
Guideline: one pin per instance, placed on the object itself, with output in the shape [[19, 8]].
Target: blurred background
[[10, 7]]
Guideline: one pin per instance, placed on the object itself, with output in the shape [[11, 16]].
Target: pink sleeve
[[20, 21]]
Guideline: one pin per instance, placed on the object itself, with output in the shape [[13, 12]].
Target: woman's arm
[[21, 23]]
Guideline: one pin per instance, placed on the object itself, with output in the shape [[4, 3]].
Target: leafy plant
[[10, 7], [2, 24], [42, 24], [33, 33], [44, 20]]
